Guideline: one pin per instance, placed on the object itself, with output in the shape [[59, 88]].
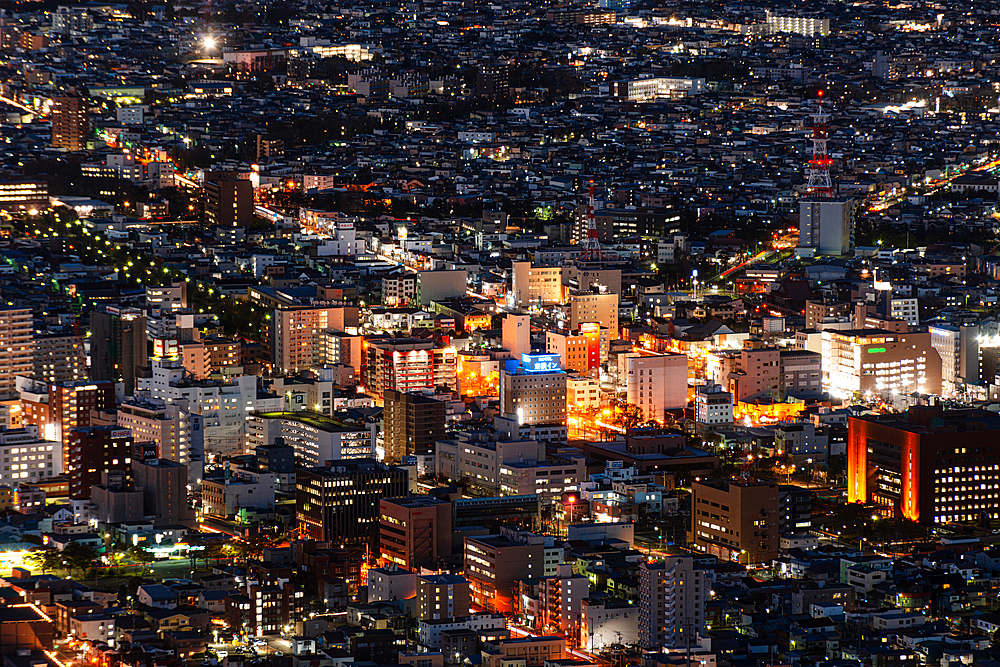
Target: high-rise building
[[228, 200], [594, 306], [441, 596], [879, 361], [536, 391], [407, 364], [737, 521], [495, 563], [930, 465], [58, 358], [70, 406], [70, 124], [672, 595], [657, 383], [516, 334], [296, 342], [15, 348], [413, 423], [340, 502], [826, 225], [415, 532], [577, 351], [118, 345], [164, 486], [94, 451], [166, 425], [493, 80], [748, 374]]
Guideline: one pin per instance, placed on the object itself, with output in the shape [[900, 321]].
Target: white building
[[826, 225], [224, 406], [798, 25], [906, 309], [639, 90], [26, 457], [605, 623], [315, 437], [713, 406], [391, 583], [657, 383], [239, 488], [672, 595], [166, 424]]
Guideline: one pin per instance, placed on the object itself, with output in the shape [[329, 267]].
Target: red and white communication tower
[[820, 184], [591, 245]]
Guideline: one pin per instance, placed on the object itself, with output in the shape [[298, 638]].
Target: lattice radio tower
[[820, 183], [592, 251]]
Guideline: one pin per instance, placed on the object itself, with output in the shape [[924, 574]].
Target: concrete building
[[95, 451], [580, 351], [70, 122], [441, 596], [70, 406], [926, 465], [549, 479], [315, 438], [494, 564], [391, 583], [225, 493], [415, 531], [516, 334], [607, 622], [879, 362], [657, 383], [582, 393], [809, 26], [27, 458], [672, 595], [296, 344], [588, 307], [166, 425], [736, 521], [164, 486], [407, 364], [536, 391], [228, 200], [478, 458], [340, 503], [441, 285], [713, 406], [118, 345], [58, 358], [16, 356], [413, 422], [555, 602], [534, 286], [826, 225], [800, 374], [748, 374]]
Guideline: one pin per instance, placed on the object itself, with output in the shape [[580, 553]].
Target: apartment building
[[657, 383], [16, 356], [737, 521], [415, 531]]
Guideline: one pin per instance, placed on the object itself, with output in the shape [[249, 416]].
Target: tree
[[141, 555], [628, 415], [45, 559], [79, 556]]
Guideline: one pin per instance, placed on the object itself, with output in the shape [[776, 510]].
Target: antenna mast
[[820, 184]]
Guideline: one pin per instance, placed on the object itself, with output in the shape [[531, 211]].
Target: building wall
[[671, 601], [736, 521], [657, 383]]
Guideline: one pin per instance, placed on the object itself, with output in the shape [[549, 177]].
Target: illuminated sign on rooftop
[[540, 363]]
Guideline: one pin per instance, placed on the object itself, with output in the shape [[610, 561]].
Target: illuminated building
[[228, 200], [413, 422], [495, 563], [118, 345], [166, 425], [296, 341], [735, 520], [24, 196], [415, 531], [93, 451], [798, 25], [58, 358], [929, 465], [536, 391], [516, 334], [340, 502], [713, 406], [580, 351], [70, 124], [582, 393], [70, 405], [877, 361], [536, 285], [749, 374], [594, 306], [657, 383], [959, 348], [672, 594], [441, 596], [15, 348], [315, 438], [27, 457], [407, 364]]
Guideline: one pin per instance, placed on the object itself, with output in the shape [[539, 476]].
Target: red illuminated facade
[[929, 465]]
